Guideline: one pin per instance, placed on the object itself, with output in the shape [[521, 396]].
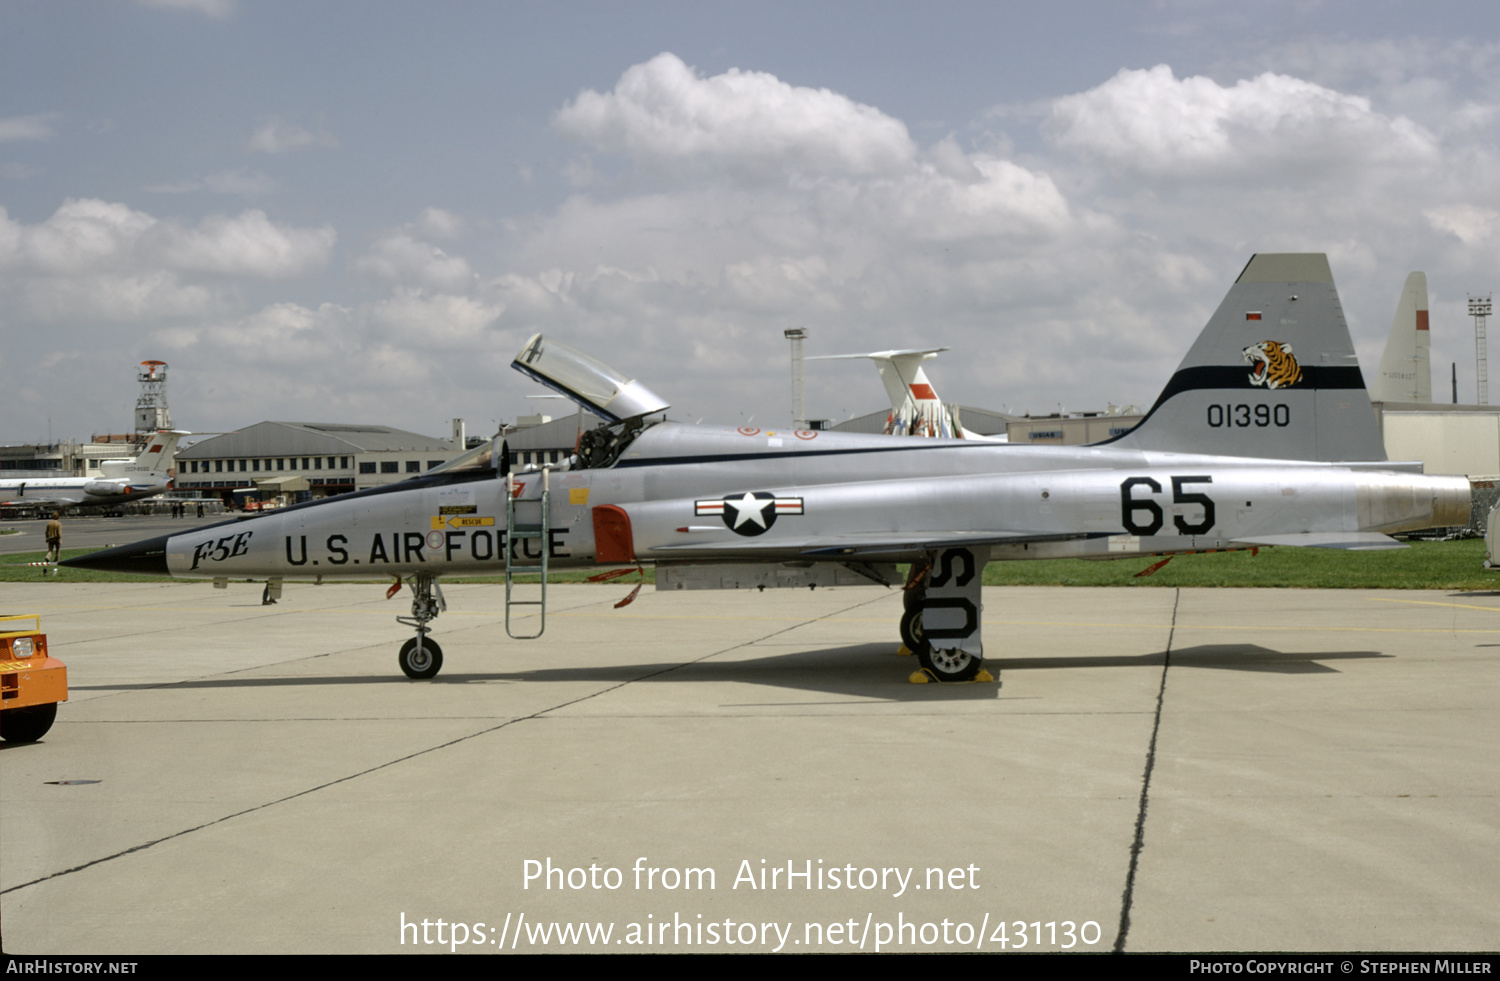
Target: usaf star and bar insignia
[[750, 513]]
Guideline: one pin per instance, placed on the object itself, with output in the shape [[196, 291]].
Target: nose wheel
[[421, 657]]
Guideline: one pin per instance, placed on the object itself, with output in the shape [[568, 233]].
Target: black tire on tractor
[[27, 725]]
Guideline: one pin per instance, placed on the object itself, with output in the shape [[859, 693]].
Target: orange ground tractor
[[31, 683]]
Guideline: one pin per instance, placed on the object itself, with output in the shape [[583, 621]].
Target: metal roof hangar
[[320, 458]]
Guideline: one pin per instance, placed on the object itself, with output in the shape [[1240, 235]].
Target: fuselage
[[723, 494], [80, 490]]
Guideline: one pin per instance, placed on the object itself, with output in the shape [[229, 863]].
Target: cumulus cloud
[[274, 334], [1468, 223], [84, 234], [1002, 199], [751, 123], [439, 224], [403, 256], [282, 354], [36, 128], [252, 359], [1152, 124], [834, 179], [442, 321], [1075, 273], [399, 258], [115, 297], [278, 136], [1102, 254], [794, 206], [105, 260], [1418, 75], [87, 234], [248, 244]]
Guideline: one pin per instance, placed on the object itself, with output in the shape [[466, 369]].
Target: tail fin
[[916, 409], [155, 458], [1273, 375], [1405, 369]]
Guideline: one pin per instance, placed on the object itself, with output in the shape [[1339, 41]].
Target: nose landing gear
[[421, 657]]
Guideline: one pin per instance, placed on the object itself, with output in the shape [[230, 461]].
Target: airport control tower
[[151, 412]]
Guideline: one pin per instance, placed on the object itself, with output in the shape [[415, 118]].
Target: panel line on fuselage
[[915, 445]]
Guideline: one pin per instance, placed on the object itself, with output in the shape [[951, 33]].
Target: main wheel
[[953, 664], [911, 630], [27, 725], [421, 663]]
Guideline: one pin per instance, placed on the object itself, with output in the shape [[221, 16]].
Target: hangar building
[[318, 458]]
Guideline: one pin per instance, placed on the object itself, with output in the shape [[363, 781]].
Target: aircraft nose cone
[[145, 558]]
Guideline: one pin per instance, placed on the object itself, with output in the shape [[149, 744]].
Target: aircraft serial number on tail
[[1130, 505], [1243, 416]]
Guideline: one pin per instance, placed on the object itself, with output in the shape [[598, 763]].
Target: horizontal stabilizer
[[1389, 466], [922, 353], [1360, 541]]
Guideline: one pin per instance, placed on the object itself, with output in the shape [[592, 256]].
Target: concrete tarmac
[[1163, 770]]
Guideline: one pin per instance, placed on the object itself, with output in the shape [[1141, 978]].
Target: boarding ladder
[[530, 524]]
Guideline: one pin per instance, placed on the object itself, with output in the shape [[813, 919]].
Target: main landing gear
[[421, 657], [941, 622]]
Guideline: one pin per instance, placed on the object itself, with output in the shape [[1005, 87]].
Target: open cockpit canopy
[[586, 380], [594, 385]]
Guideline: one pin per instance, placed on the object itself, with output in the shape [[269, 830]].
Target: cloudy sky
[[359, 211]]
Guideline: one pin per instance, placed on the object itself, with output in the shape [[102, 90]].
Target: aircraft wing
[[882, 543], [886, 543], [871, 543], [31, 500]]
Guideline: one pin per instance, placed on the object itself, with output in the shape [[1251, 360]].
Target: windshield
[[586, 380], [481, 457]]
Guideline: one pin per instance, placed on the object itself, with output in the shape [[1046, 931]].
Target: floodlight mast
[[1479, 309], [799, 414]]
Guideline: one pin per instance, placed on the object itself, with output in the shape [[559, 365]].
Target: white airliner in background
[[123, 480]]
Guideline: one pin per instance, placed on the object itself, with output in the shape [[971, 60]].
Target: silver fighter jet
[[1263, 436]]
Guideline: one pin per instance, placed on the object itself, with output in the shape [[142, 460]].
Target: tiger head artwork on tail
[[1274, 365]]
